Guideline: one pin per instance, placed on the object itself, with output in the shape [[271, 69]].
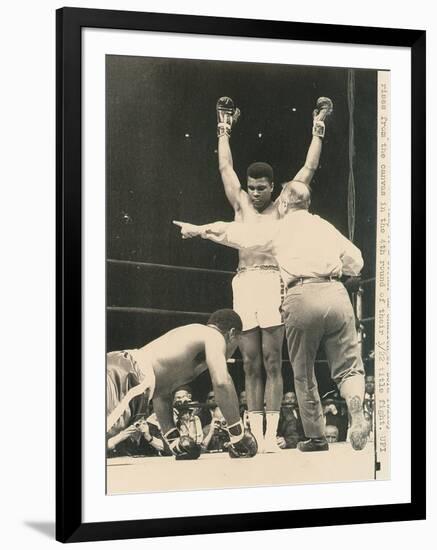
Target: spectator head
[[182, 395], [370, 385], [243, 399], [331, 433], [289, 399], [210, 398]]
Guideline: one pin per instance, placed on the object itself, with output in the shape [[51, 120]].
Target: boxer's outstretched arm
[[223, 386]]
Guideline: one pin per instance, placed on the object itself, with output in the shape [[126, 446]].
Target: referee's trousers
[[319, 314]]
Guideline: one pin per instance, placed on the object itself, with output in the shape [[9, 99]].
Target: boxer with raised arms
[[257, 287]]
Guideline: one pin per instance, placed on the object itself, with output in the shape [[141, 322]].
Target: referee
[[312, 255]]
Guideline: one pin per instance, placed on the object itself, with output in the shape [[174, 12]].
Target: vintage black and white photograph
[[247, 258]]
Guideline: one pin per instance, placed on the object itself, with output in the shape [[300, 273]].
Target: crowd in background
[[205, 424]]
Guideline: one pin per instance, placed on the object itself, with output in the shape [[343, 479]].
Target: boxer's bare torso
[[178, 356], [247, 212]]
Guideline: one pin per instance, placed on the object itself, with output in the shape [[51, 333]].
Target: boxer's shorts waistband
[[257, 268]]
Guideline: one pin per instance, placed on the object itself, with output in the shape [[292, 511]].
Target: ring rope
[[146, 310], [171, 267], [154, 310], [317, 361], [199, 269], [367, 281], [367, 319]]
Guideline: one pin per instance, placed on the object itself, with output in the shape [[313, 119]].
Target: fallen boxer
[[170, 361]]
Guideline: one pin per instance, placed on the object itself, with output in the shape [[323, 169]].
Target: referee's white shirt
[[303, 244]]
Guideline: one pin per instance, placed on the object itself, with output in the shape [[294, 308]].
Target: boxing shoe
[[270, 446], [313, 444]]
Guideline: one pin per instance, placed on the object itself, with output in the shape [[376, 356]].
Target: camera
[[220, 428], [140, 423], [184, 406]]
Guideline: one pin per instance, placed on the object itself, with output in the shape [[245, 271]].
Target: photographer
[[182, 396], [187, 422], [216, 434], [135, 440], [189, 425]]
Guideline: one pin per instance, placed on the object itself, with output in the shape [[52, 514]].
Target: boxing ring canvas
[[144, 154]]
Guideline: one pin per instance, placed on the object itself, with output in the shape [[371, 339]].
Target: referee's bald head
[[295, 195]]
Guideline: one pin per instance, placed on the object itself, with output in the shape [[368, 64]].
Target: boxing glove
[[190, 449], [246, 447], [324, 108], [183, 447], [227, 116]]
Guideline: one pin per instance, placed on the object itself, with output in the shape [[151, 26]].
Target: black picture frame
[[69, 24]]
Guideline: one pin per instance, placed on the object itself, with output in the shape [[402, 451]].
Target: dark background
[[162, 165]]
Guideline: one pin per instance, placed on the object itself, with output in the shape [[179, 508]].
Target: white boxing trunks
[[258, 293]]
